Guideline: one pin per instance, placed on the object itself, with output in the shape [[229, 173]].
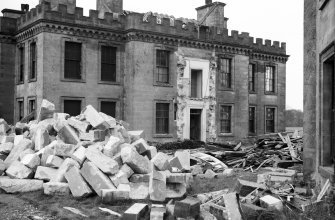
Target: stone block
[[54, 161], [138, 163], [3, 157], [81, 126], [228, 172], [127, 170], [136, 135], [151, 152], [175, 190], [118, 159], [4, 128], [139, 191], [93, 135], [2, 167], [110, 120], [112, 195], [174, 162], [210, 174], [232, 206], [26, 152], [18, 139], [20, 186], [31, 161], [24, 144], [244, 188], [196, 170], [119, 178], [94, 118], [48, 150], [141, 146], [271, 202], [78, 186], [161, 161], [41, 138], [113, 146], [157, 186], [46, 110], [135, 212], [45, 173], [157, 212], [189, 207], [177, 178], [140, 178], [64, 150], [218, 211], [96, 178], [68, 135], [104, 163], [79, 155], [66, 166], [6, 148], [184, 158], [54, 188], [7, 139], [19, 171]]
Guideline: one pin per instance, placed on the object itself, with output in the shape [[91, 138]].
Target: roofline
[[209, 5]]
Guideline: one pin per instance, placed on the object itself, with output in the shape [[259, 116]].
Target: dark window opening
[[72, 69], [31, 105], [21, 65], [33, 60], [252, 78], [270, 79], [225, 119], [196, 83], [270, 120], [20, 109], [109, 108], [108, 63], [162, 118], [225, 75], [162, 65], [175, 111], [252, 120], [72, 107]]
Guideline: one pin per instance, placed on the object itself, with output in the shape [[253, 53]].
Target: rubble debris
[[135, 212], [19, 185], [232, 206], [56, 188], [76, 211], [78, 186], [271, 202], [110, 212], [189, 207]]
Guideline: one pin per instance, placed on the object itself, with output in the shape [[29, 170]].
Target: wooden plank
[[282, 138], [290, 147], [323, 190], [232, 206]]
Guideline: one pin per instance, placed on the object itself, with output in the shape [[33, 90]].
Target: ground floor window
[[270, 120], [31, 105], [20, 109], [225, 118], [252, 120], [162, 118], [72, 107], [108, 107]]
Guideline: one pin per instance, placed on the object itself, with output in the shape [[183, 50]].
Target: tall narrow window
[[72, 107], [31, 105], [225, 119], [20, 105], [225, 76], [162, 118], [108, 108], [108, 63], [270, 120], [252, 78], [162, 66], [252, 120], [21, 65], [196, 83], [72, 68], [270, 79], [33, 60]]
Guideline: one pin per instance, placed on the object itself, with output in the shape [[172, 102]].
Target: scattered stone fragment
[[96, 178], [139, 191], [31, 161], [94, 118], [244, 187], [175, 190], [151, 152], [45, 173], [104, 163], [177, 178], [232, 207], [228, 172], [20, 186], [3, 157], [93, 135], [6, 148], [124, 134], [175, 163], [2, 167], [210, 174], [78, 186], [189, 207], [218, 211], [157, 186], [118, 159], [68, 135], [18, 139], [41, 138], [54, 188], [48, 150], [161, 161], [119, 178], [3, 127], [110, 120], [54, 161], [140, 178], [127, 170], [19, 171], [157, 212], [25, 152], [137, 162], [184, 158], [7, 139], [135, 212], [196, 170], [46, 110], [111, 195], [64, 150], [136, 135], [17, 150], [81, 126], [67, 164], [271, 202], [140, 145], [113, 146], [79, 155]]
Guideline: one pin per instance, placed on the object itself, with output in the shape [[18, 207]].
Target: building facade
[[175, 78], [319, 96]]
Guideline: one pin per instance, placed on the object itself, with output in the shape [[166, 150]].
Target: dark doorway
[[195, 124], [329, 69]]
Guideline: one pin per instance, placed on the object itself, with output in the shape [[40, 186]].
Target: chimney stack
[[112, 6], [208, 2], [24, 7]]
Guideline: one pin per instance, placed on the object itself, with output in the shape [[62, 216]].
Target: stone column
[[211, 123]]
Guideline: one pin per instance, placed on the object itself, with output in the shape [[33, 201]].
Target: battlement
[[153, 23]]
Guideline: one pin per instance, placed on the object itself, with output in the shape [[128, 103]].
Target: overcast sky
[[277, 20]]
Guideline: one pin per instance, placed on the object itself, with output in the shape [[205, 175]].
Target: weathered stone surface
[[81, 126], [161, 161], [3, 157], [79, 155], [54, 188], [189, 207], [3, 127], [157, 212], [157, 186], [6, 148], [228, 172], [139, 178], [138, 163], [7, 139], [135, 212], [67, 164], [20, 186], [78, 186], [2, 167], [68, 135], [175, 190], [18, 139], [111, 195], [93, 135], [45, 173], [25, 152], [140, 145], [104, 163], [54, 161], [48, 150], [94, 118], [210, 174], [151, 152], [118, 159], [95, 177], [17, 150], [232, 206], [31, 161], [110, 120], [196, 170], [119, 178], [41, 138], [124, 134], [19, 171], [174, 162], [136, 135], [46, 110], [177, 178], [139, 191], [126, 169], [184, 158], [269, 201], [64, 150], [113, 146]]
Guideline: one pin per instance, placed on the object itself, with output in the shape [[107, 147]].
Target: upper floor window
[[31, 105], [72, 68], [252, 78], [33, 60], [162, 118], [21, 65], [225, 118], [72, 106], [108, 63], [162, 66], [225, 73], [196, 83], [270, 79]]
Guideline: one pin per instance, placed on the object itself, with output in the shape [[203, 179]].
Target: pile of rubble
[[92, 153]]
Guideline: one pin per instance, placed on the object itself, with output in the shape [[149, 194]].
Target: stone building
[[319, 84], [176, 78]]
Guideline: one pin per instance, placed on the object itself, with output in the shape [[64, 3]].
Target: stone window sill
[[270, 93], [327, 172], [163, 136], [226, 135], [74, 80], [109, 83], [163, 84]]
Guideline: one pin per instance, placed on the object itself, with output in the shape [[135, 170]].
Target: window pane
[[108, 108], [162, 66], [252, 120], [270, 79], [72, 107], [162, 118], [32, 60], [225, 73], [225, 119], [72, 65], [270, 120], [21, 72], [108, 63]]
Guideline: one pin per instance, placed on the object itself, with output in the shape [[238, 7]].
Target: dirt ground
[[38, 206]]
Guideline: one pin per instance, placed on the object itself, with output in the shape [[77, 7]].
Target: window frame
[[170, 119], [254, 132], [29, 99], [171, 65], [117, 63], [18, 109], [71, 98], [118, 112], [275, 115], [275, 79], [199, 86], [220, 73], [32, 61], [222, 133], [254, 77], [21, 57]]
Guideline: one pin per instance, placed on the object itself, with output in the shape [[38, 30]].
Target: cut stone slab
[[136, 135], [67, 164], [81, 126], [111, 195], [189, 207], [271, 202], [54, 188], [151, 152], [6, 148], [175, 190], [41, 138], [124, 134], [231, 204], [25, 152], [7, 139], [47, 151], [119, 178], [141, 146], [127, 170], [104, 163], [228, 172], [19, 171], [54, 161], [174, 162], [78, 186], [138, 163], [31, 161], [79, 155], [118, 159], [184, 158], [46, 110], [110, 120], [64, 150], [157, 186], [196, 170], [135, 212], [3, 157], [244, 187], [94, 118], [161, 161], [96, 178], [3, 127], [93, 135], [2, 167], [20, 186], [139, 191], [23, 145], [140, 178], [210, 174], [18, 139], [157, 212], [113, 146], [68, 135], [45, 173], [177, 178]]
